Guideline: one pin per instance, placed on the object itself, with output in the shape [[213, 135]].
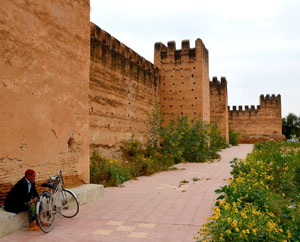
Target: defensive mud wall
[[124, 88], [258, 124], [184, 79], [219, 105], [44, 66]]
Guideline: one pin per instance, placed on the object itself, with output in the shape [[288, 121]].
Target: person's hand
[[33, 200]]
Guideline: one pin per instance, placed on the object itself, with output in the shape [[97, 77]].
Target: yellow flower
[[228, 231], [237, 229], [234, 223], [229, 220]]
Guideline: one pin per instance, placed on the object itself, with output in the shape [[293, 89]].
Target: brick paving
[[152, 208]]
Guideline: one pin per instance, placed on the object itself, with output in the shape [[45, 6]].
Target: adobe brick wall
[[219, 105], [123, 92], [258, 124], [44, 66], [184, 80]]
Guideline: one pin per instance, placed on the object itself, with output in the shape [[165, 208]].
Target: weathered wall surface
[[123, 92], [258, 124], [44, 66], [184, 80], [219, 105]]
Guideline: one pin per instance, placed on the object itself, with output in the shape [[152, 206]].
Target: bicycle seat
[[49, 185]]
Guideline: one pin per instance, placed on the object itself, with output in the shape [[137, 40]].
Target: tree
[[291, 125]]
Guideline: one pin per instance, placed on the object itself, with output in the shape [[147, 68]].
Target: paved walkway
[[154, 208]]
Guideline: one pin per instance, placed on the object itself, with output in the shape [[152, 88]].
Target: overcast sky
[[254, 44]]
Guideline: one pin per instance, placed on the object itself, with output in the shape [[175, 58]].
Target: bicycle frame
[[57, 201], [57, 194]]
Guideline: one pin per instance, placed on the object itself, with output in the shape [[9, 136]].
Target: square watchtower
[[184, 80]]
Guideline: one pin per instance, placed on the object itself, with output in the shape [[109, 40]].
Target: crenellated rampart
[[145, 70], [259, 123], [124, 88], [243, 110]]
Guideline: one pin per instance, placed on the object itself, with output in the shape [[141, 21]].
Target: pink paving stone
[[154, 199]]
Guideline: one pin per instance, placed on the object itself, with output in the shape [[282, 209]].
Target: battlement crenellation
[[270, 99], [242, 110], [216, 83], [115, 45], [170, 50]]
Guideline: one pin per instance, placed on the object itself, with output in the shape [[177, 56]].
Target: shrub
[[191, 140], [108, 172], [131, 148], [234, 137]]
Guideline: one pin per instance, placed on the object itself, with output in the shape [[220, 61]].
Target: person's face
[[31, 178]]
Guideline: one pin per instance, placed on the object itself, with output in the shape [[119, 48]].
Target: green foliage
[[131, 148], [108, 172], [114, 173], [291, 125], [216, 140], [261, 201], [156, 120], [193, 140], [234, 137]]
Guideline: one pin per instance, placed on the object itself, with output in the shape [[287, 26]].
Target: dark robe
[[18, 196]]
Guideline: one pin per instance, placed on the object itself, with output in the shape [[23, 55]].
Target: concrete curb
[[11, 222]]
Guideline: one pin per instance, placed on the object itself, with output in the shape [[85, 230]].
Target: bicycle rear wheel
[[69, 206], [45, 213]]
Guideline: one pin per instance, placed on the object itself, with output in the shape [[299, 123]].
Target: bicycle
[[57, 201]]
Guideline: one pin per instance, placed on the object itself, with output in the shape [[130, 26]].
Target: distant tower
[[184, 79], [219, 105]]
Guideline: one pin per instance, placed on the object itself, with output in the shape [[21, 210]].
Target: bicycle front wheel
[[45, 212], [69, 204]]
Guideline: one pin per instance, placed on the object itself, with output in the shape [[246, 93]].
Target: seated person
[[23, 197]]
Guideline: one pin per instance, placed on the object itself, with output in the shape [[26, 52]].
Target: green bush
[[191, 140], [234, 137], [107, 172], [131, 148]]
